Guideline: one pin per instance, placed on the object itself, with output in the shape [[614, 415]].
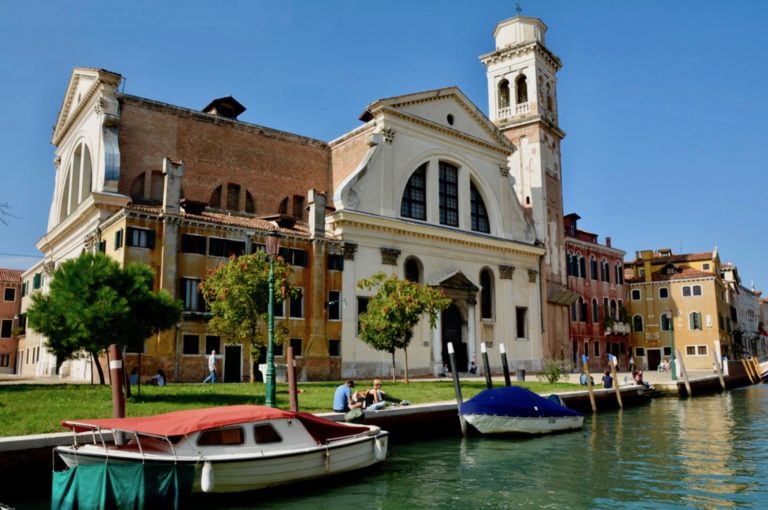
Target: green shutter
[[150, 239]]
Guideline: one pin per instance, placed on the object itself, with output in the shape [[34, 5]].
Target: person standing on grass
[[211, 368]]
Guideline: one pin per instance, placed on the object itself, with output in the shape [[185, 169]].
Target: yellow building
[[677, 303]]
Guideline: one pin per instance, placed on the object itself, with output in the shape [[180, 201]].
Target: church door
[[451, 323]]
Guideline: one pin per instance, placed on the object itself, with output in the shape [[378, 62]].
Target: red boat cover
[[179, 423]]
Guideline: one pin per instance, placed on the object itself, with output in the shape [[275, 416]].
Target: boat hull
[[488, 424], [238, 473]]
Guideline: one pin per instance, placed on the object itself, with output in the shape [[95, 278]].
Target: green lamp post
[[272, 241]]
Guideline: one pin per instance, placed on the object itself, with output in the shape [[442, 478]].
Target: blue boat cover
[[514, 401]]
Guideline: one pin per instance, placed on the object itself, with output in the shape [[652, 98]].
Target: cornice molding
[[595, 247]]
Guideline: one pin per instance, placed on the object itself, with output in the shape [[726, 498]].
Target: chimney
[[173, 171], [317, 203], [227, 107], [608, 241]]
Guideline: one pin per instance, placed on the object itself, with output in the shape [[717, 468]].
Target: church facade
[[428, 188]]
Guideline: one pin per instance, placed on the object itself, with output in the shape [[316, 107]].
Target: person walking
[[211, 368]]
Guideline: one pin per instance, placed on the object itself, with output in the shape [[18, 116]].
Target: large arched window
[[637, 323], [479, 213], [503, 94], [486, 294], [593, 267], [521, 86], [413, 270], [77, 183], [595, 312], [234, 197], [414, 203]]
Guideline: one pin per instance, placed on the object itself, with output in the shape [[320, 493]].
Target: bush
[[552, 371]]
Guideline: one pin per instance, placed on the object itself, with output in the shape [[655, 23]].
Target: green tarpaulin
[[122, 486]]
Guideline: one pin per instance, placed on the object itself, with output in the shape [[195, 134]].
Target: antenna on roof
[[518, 9]]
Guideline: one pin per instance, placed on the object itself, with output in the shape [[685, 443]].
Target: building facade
[[678, 304], [599, 323], [11, 321], [427, 188]]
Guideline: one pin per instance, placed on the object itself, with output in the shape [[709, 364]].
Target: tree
[[94, 303], [393, 312], [237, 293]]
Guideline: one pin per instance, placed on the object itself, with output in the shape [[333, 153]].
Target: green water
[[706, 452]]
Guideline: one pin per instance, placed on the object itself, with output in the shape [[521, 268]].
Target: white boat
[[516, 410], [230, 448]]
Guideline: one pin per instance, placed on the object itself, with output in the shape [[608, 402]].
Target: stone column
[[437, 348], [471, 330]]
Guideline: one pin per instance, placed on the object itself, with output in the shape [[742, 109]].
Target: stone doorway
[[451, 325]]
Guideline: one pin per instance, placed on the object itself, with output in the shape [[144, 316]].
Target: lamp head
[[272, 242]]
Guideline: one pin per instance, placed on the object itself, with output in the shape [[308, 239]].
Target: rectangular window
[[191, 243], [22, 323], [701, 350], [695, 320], [663, 293], [334, 305], [297, 305], [213, 343], [9, 294], [686, 291], [140, 238], [597, 349], [119, 239], [690, 350], [521, 318], [102, 246], [449, 195], [37, 281], [5, 360], [192, 295], [296, 345], [362, 306], [278, 308], [295, 257], [24, 289], [334, 347], [639, 351], [6, 328], [335, 263], [191, 344], [667, 351], [697, 290], [218, 247]]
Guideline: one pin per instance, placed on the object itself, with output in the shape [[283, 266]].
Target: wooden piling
[[685, 374]]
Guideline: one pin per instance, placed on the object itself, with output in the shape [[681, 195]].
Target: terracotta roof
[[11, 275], [235, 220], [681, 274], [686, 257]]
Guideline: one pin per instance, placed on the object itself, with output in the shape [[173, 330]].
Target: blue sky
[[663, 102]]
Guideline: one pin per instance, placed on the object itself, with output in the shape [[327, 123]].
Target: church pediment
[[457, 281], [83, 85], [447, 110]]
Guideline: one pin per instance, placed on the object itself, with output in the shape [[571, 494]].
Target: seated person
[[583, 379], [607, 379], [638, 376], [133, 379], [376, 399], [342, 398], [157, 379]]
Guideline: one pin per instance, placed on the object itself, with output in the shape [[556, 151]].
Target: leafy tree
[[237, 293], [94, 303], [395, 309]]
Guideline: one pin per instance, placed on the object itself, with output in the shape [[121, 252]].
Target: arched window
[[137, 187], [614, 311], [479, 214], [619, 274], [521, 86], [77, 183], [595, 312], [414, 203], [486, 294], [215, 200], [604, 273], [250, 205], [665, 322], [550, 100], [635, 294], [593, 267], [237, 199], [413, 270], [503, 94], [574, 316], [582, 267], [637, 323], [694, 320], [569, 264], [583, 310]]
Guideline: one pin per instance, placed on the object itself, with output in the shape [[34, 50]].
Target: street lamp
[[272, 240], [672, 367]]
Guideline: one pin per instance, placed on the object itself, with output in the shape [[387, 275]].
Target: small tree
[[394, 310], [237, 293], [93, 303]]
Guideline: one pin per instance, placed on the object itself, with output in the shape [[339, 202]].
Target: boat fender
[[378, 450], [206, 479]]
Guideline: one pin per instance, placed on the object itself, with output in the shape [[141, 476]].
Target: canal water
[[705, 452]]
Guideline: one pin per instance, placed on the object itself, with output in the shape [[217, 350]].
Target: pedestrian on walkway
[[211, 368]]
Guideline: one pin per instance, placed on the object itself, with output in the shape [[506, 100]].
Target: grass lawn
[[37, 409]]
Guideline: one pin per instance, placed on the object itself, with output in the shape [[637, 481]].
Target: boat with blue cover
[[516, 410]]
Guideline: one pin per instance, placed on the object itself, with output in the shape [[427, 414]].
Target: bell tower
[[522, 102]]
